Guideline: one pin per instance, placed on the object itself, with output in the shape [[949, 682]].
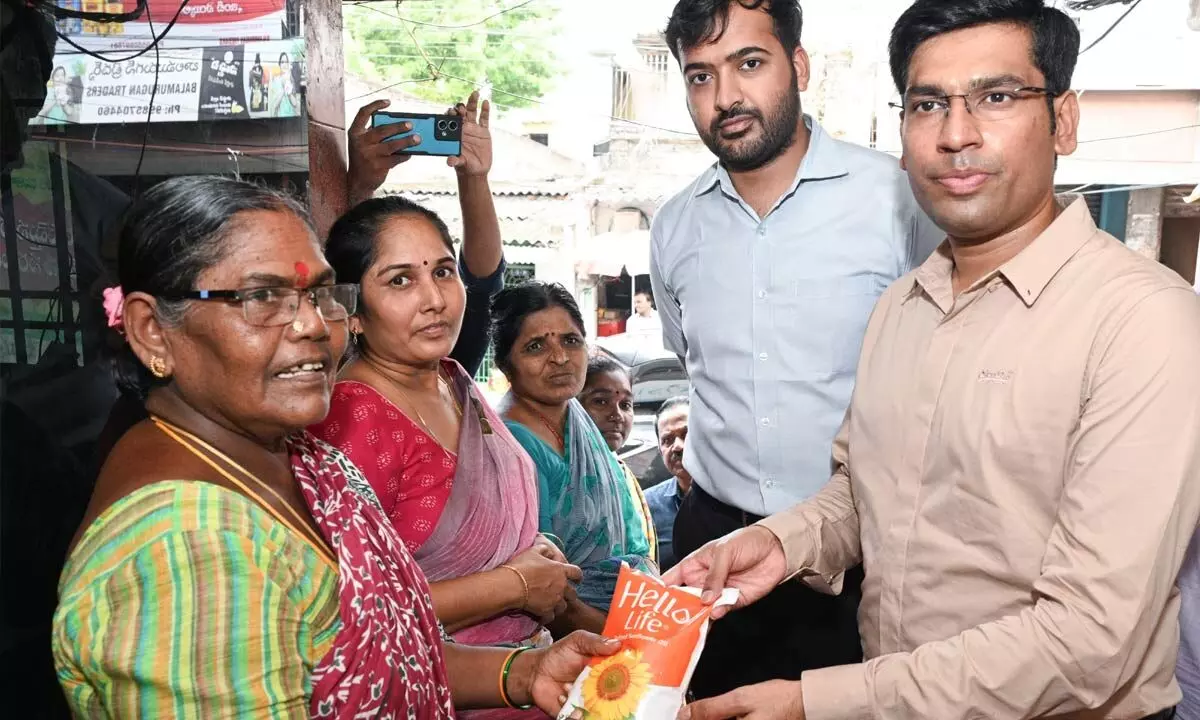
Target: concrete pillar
[[325, 96], [1143, 229]]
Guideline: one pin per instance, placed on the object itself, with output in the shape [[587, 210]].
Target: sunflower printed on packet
[[662, 630]]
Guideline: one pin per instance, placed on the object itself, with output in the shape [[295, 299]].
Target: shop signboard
[[200, 23], [252, 80]]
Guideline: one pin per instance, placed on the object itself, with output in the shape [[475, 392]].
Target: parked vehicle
[[646, 462]]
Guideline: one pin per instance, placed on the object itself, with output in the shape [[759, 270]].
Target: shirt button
[[765, 422], [762, 294], [762, 356], [762, 230], [770, 483]]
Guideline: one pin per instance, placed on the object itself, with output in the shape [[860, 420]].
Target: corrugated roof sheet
[[527, 218]]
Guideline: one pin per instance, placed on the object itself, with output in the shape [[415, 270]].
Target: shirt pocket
[[825, 320]]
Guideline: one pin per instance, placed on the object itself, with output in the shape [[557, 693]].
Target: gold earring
[[158, 367]]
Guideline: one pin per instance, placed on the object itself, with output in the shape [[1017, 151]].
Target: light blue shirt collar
[[822, 161]]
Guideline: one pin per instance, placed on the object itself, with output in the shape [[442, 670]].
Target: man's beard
[[778, 133]]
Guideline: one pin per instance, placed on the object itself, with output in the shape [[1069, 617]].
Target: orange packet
[[662, 630]]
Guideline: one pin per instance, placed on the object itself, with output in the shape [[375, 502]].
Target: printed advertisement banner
[[256, 80], [201, 22]]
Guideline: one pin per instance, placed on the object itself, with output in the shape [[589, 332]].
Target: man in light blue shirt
[[765, 270]]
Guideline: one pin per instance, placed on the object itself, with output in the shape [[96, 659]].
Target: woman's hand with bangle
[[540, 585], [544, 677]]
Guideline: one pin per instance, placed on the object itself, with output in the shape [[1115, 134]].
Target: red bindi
[[301, 274]]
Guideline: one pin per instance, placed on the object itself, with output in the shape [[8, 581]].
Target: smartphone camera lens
[[441, 125], [453, 125]]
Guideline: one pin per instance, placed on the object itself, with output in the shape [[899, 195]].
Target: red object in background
[[605, 328], [208, 11]]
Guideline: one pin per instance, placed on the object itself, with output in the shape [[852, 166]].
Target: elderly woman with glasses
[[231, 564]]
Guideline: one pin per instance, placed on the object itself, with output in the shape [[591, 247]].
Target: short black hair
[[512, 305], [173, 233], [602, 365], [670, 404], [696, 21], [1055, 36]]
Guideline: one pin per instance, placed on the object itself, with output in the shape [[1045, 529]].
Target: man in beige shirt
[[1019, 469]]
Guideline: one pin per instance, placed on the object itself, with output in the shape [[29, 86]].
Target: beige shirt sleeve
[[820, 536], [1129, 507]]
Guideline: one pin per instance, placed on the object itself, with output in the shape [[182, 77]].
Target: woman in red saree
[[457, 487]]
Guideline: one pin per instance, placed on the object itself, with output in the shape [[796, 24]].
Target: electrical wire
[[1131, 187], [437, 73], [504, 11], [389, 87], [543, 102], [1141, 134], [1112, 27], [62, 13], [152, 46], [137, 171], [1078, 5]]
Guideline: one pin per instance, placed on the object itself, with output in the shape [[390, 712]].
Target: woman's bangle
[[556, 541], [508, 663], [524, 585]]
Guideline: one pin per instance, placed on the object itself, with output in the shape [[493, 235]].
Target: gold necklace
[[442, 385], [301, 528], [557, 434]]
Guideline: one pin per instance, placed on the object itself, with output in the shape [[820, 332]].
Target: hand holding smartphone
[[441, 135]]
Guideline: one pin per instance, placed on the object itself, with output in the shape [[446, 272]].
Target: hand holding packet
[[662, 630]]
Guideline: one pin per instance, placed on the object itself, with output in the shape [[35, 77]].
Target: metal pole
[[66, 297], [14, 268]]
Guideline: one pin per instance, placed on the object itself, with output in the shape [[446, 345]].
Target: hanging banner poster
[[201, 22], [222, 89], [273, 82], [213, 83]]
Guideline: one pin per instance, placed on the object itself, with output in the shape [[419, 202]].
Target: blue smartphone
[[441, 135]]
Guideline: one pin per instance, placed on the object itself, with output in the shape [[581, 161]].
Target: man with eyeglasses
[[1019, 471]]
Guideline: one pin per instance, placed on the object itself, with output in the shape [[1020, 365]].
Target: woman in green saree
[[585, 502]]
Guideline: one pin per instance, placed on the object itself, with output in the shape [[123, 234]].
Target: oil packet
[[662, 630]]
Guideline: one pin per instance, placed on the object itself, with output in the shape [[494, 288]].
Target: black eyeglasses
[[986, 104], [274, 306]]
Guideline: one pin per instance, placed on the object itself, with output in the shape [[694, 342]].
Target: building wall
[[1179, 245], [1136, 137], [1119, 114]]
